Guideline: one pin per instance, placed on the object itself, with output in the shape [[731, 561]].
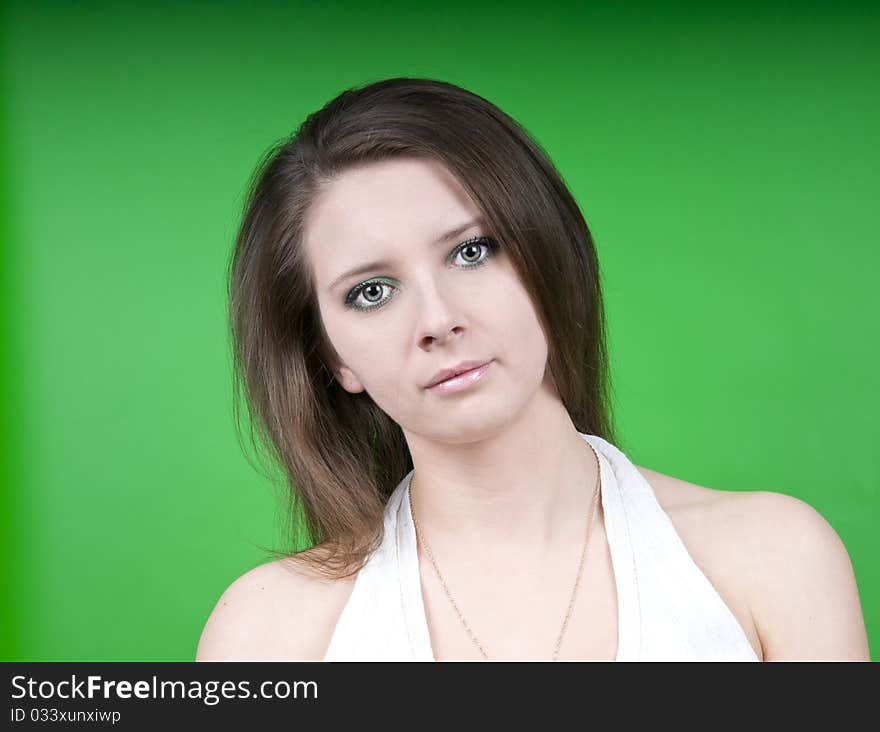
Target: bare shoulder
[[805, 597], [276, 611], [676, 494], [777, 556]]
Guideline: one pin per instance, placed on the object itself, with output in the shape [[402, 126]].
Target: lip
[[458, 377]]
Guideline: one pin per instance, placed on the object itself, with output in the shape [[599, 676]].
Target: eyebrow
[[385, 264]]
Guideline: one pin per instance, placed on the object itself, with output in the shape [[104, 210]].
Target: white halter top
[[668, 610]]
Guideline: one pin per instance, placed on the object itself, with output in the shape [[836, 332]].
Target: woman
[[417, 317]]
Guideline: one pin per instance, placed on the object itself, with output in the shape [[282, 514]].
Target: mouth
[[459, 377]]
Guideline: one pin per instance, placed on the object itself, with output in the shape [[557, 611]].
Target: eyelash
[[488, 242]]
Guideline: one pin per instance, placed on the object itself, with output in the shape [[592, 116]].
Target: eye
[[472, 251], [370, 295]]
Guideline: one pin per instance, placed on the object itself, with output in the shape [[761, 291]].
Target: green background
[[725, 158]]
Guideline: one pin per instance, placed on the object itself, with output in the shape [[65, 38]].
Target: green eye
[[372, 295], [474, 245], [369, 295]]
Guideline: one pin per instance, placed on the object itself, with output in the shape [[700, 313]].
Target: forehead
[[371, 209]]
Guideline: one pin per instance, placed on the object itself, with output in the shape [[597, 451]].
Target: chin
[[474, 424]]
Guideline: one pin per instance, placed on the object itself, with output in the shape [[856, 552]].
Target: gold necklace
[[421, 539]]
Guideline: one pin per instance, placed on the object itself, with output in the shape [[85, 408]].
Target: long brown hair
[[340, 454]]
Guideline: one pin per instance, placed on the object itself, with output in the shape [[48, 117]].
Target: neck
[[521, 491]]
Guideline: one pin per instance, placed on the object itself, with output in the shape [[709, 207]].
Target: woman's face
[[421, 302]]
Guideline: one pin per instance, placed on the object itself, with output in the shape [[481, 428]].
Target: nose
[[439, 318]]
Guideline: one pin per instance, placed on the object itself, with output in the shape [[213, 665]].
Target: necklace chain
[[421, 540]]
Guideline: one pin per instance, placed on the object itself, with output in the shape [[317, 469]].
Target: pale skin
[[502, 480]]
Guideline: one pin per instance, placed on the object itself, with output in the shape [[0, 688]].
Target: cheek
[[535, 342], [522, 323], [363, 346], [346, 341]]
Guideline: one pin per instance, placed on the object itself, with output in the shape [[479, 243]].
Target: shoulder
[[276, 611], [805, 597], [783, 556]]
